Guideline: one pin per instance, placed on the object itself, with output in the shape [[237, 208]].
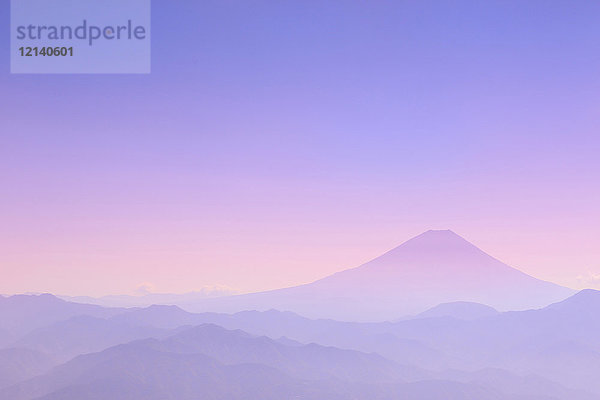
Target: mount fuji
[[433, 268]]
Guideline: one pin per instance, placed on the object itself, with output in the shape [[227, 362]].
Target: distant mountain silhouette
[[524, 355], [84, 334], [433, 268], [159, 316], [23, 313], [459, 309], [152, 298], [163, 370], [584, 302], [547, 341], [138, 372], [558, 342], [311, 361]]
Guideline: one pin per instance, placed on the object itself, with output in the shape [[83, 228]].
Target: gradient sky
[[278, 142]]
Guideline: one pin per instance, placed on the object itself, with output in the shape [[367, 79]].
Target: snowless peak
[[439, 235], [440, 231], [438, 243]]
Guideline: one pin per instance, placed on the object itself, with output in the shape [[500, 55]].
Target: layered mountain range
[[461, 351]]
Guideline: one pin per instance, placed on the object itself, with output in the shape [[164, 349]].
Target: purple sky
[[277, 142]]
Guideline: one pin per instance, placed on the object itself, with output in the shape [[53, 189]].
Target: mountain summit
[[432, 268]]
